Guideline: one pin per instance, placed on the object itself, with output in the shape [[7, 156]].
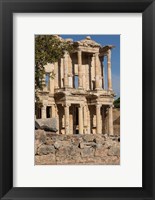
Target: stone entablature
[[77, 96]]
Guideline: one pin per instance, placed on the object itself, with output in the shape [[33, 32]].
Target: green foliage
[[48, 49], [117, 103]]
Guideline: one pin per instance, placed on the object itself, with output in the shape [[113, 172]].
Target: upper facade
[[82, 70]]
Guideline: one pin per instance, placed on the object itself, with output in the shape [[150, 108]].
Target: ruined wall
[[53, 149]]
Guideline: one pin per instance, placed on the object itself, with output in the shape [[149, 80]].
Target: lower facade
[[78, 115]]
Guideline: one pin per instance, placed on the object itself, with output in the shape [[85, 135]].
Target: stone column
[[56, 117], [102, 71], [92, 72], [70, 72], [56, 78], [43, 112], [65, 62], [51, 83], [66, 107], [85, 117], [62, 72], [103, 120], [88, 120], [97, 72], [110, 120], [80, 119], [53, 111], [98, 119], [80, 69], [109, 70]]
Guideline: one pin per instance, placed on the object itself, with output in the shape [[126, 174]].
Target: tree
[[117, 103], [48, 49]]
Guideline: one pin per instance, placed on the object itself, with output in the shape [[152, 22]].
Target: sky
[[115, 56]]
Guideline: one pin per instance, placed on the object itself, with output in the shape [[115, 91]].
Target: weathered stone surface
[[99, 140], [98, 146], [49, 141], [63, 152], [40, 135], [87, 152], [114, 151], [68, 149], [74, 151], [59, 144], [46, 149], [87, 144], [117, 121], [101, 152], [45, 159], [82, 145], [48, 124], [88, 138], [109, 143], [75, 141], [37, 125]]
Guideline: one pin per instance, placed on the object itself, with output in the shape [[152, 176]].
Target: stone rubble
[[54, 149]]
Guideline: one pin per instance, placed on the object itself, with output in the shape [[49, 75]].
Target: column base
[[99, 89], [110, 89]]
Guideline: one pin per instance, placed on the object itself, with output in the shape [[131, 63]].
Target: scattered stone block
[[114, 151], [46, 149], [87, 152], [88, 138]]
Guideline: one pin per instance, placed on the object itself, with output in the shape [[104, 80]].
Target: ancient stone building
[[77, 96]]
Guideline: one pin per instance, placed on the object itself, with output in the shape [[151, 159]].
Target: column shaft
[[102, 71], [103, 120], [53, 111], [80, 119], [109, 70], [97, 72], [67, 119], [56, 78], [80, 69], [43, 112], [56, 117], [51, 84], [62, 72], [88, 120], [98, 119], [65, 69], [110, 120]]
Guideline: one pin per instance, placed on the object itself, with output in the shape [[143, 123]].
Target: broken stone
[[74, 151], [101, 152], [46, 149], [88, 137], [63, 152], [87, 152], [99, 140], [46, 128], [59, 144], [114, 151], [37, 126], [45, 159], [40, 135], [81, 145], [48, 124]]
